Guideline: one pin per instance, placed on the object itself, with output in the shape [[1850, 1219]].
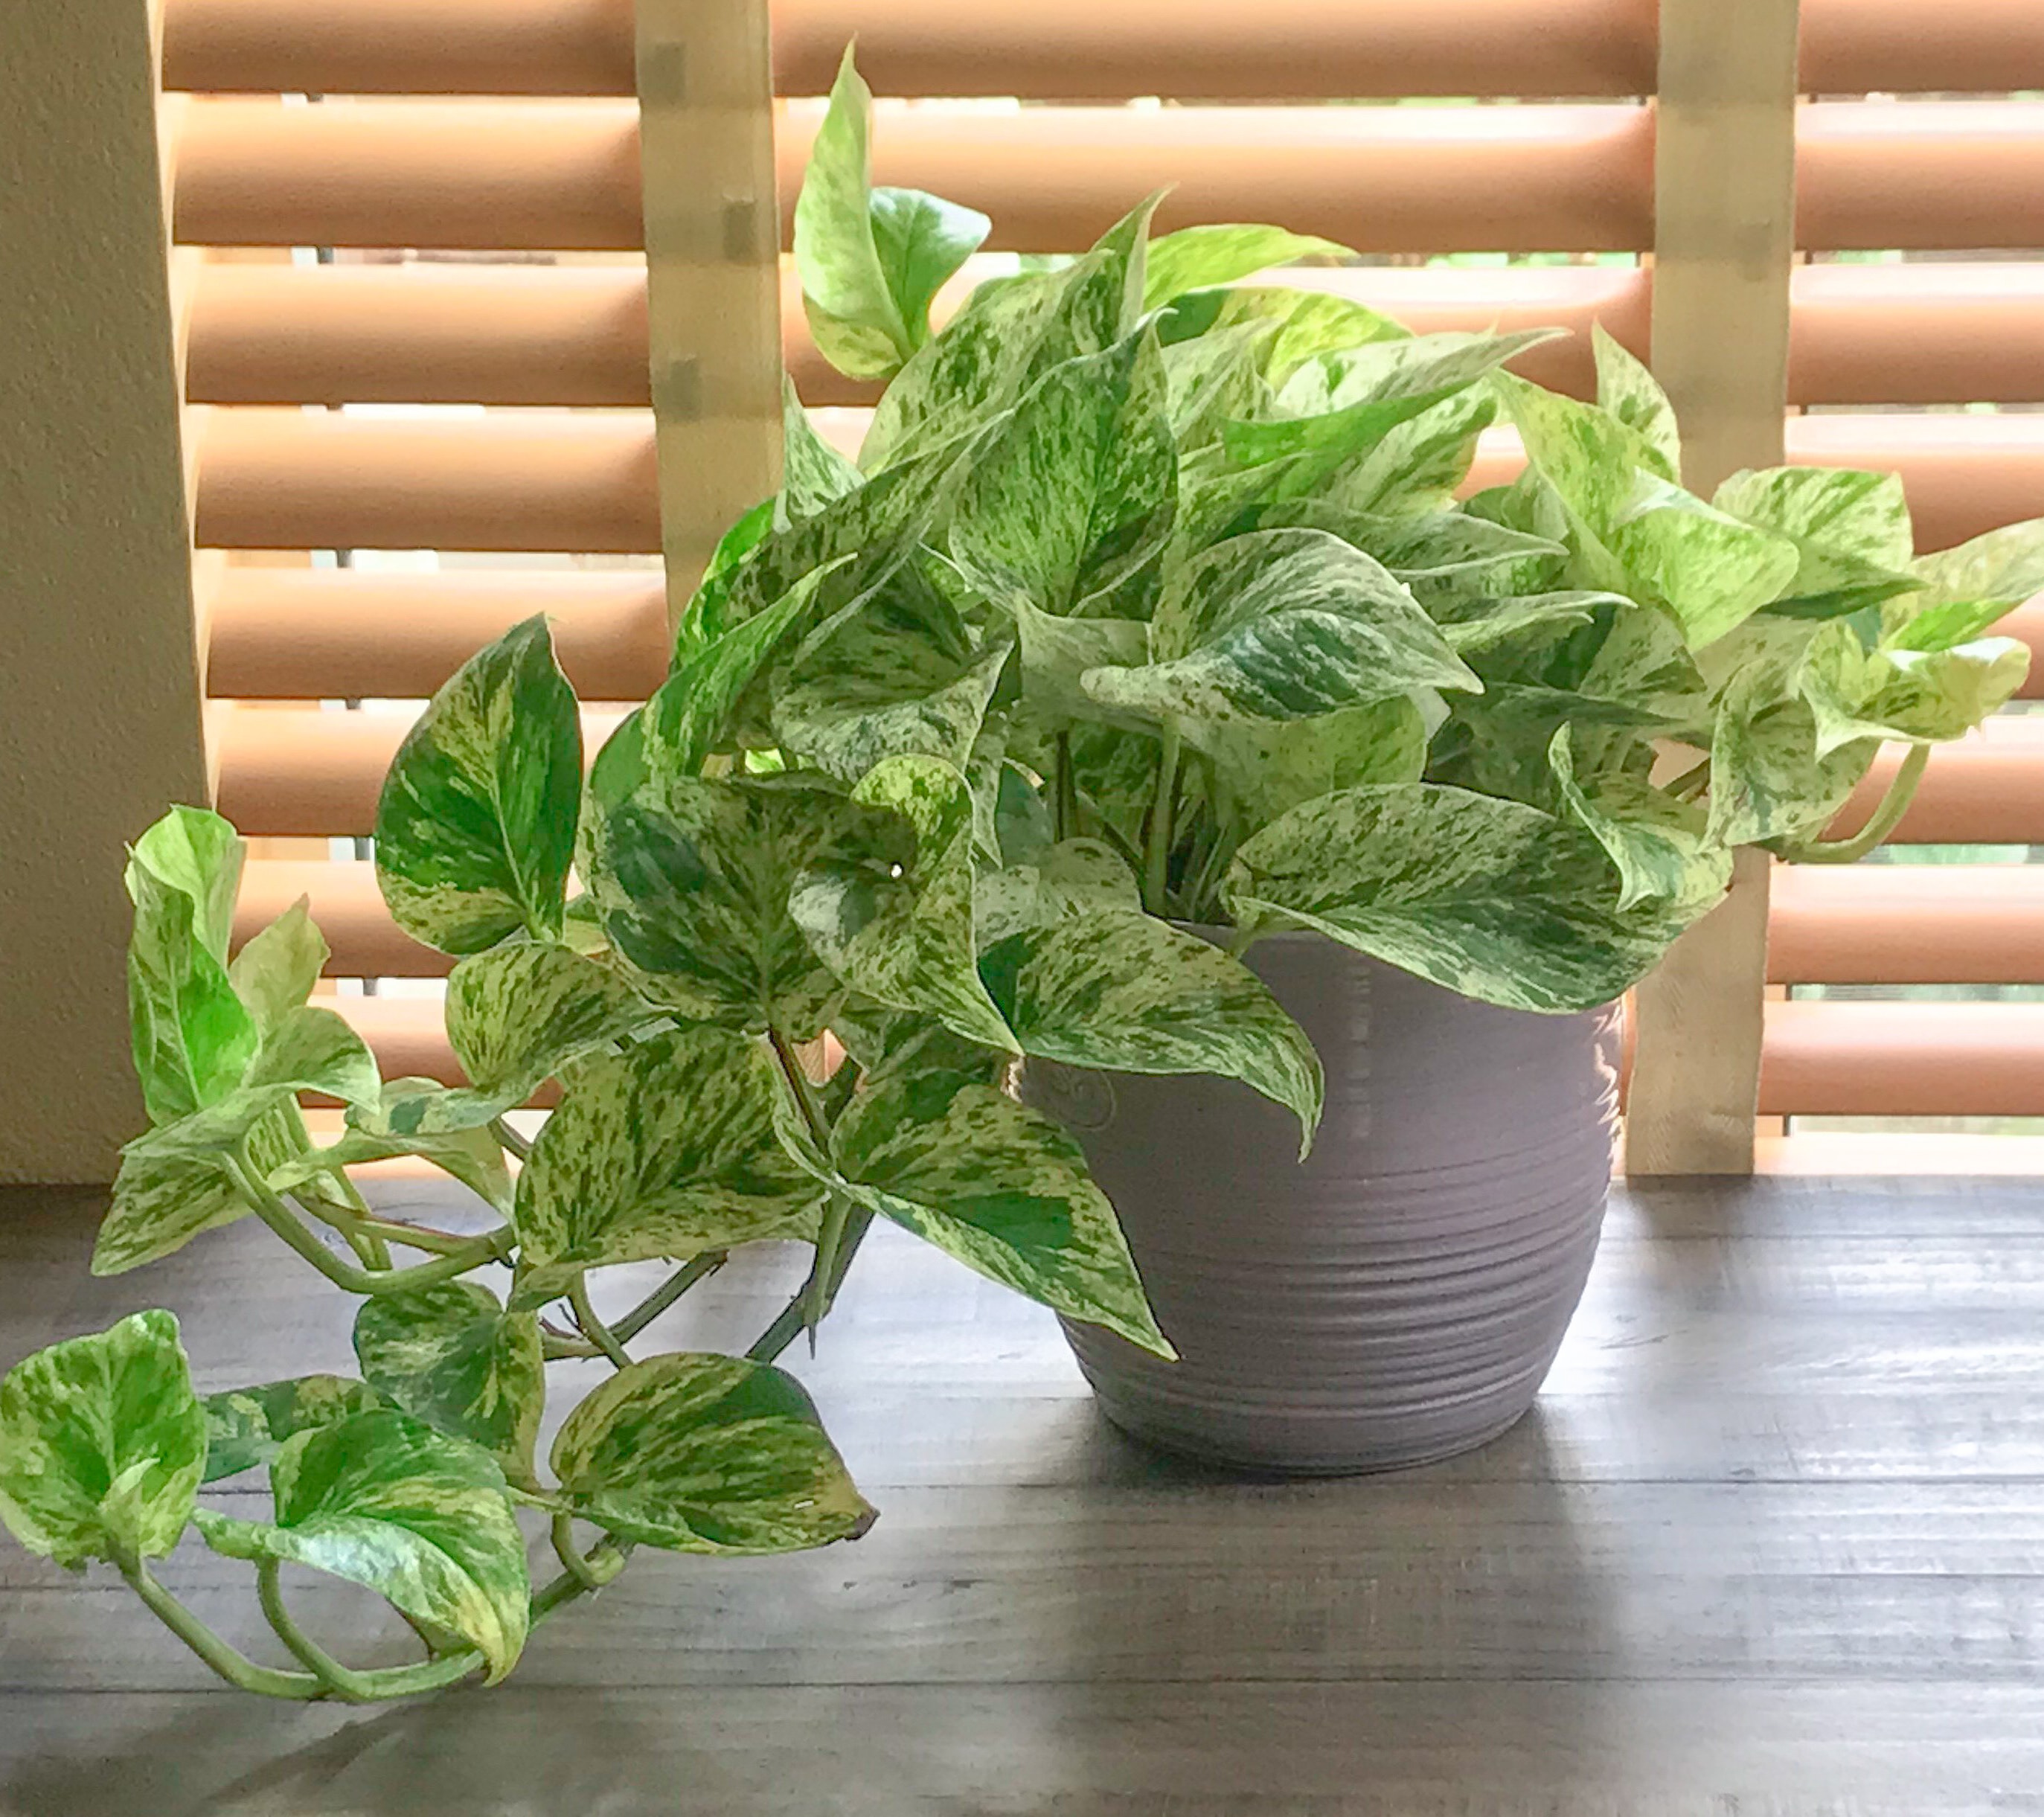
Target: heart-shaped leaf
[[1659, 844], [101, 1444], [451, 1356], [476, 830], [667, 1149], [275, 972], [702, 1453], [383, 1500], [245, 1427]]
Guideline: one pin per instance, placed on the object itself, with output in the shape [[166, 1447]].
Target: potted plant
[[1142, 706]]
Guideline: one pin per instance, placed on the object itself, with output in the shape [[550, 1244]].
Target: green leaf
[[692, 882], [709, 613], [701, 1453], [1304, 324], [516, 1017], [1057, 652], [245, 1427], [476, 827], [870, 260], [888, 683], [382, 1500], [1920, 697], [1281, 624], [1768, 780], [452, 1357], [1195, 257], [1340, 404], [173, 1183], [1472, 623], [193, 1037], [1851, 532], [2005, 565], [1492, 899], [892, 916], [1438, 543], [1127, 993], [101, 1444], [1213, 379], [814, 473], [1267, 769], [274, 973], [1631, 393], [1418, 465], [196, 853], [1003, 1190], [1077, 492], [667, 1149], [1074, 877], [312, 1050], [1658, 843], [413, 1116]]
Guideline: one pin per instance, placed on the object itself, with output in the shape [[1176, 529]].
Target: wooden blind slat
[[1903, 1059], [1906, 923], [1986, 789]]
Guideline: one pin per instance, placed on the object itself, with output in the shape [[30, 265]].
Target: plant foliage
[[1148, 623]]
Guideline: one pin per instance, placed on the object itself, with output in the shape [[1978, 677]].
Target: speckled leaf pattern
[[1002, 1189], [475, 829], [697, 1452], [1767, 781], [385, 1501], [1473, 624], [1341, 404], [1282, 625], [1213, 379], [1195, 257], [1267, 769], [1851, 531], [1631, 393], [689, 716], [1658, 842], [517, 1015], [274, 973], [1127, 993], [1306, 323], [1435, 543], [313, 1050], [667, 1149], [171, 1185], [1491, 898], [892, 917], [452, 1357], [813, 473], [1078, 491], [101, 1444], [245, 1427], [192, 1036], [887, 684], [2005, 565], [199, 854], [468, 1153], [1074, 877], [922, 240], [1056, 652], [1418, 465], [709, 613], [1922, 697], [692, 882]]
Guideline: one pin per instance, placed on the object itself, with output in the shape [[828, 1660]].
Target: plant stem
[[1163, 810], [374, 1686], [561, 1533], [700, 1268], [1690, 783], [272, 1210], [239, 1671], [794, 1315], [512, 1143], [594, 1328], [1064, 791], [800, 1083], [604, 1562], [814, 1296], [1886, 817], [349, 1223]]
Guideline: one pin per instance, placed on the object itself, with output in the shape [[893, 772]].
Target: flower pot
[[1398, 1297]]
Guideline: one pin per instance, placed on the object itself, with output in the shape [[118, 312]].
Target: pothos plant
[[1147, 623]]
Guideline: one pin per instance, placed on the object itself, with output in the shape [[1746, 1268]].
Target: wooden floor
[[1773, 1543]]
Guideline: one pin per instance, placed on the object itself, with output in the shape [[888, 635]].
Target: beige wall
[[100, 723]]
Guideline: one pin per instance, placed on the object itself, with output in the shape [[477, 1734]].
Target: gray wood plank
[[1912, 1748]]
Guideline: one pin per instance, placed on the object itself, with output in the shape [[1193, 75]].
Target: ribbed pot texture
[[1399, 1297]]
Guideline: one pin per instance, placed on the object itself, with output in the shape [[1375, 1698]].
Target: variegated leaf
[[1195, 257], [1627, 390], [1212, 379], [476, 827], [701, 1453], [1658, 843], [1424, 547], [813, 473], [1851, 532], [470, 1154], [101, 1444], [245, 1427], [1306, 323], [1921, 696], [385, 1501], [1127, 993], [1076, 492], [894, 681], [1967, 589], [667, 1149], [1056, 652], [193, 1036], [1768, 781], [1002, 1189], [694, 882], [173, 1183], [892, 916], [1074, 877], [1420, 465], [314, 1049], [452, 1357], [1490, 898], [709, 613], [1266, 769], [274, 973], [1472, 623], [1281, 624]]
